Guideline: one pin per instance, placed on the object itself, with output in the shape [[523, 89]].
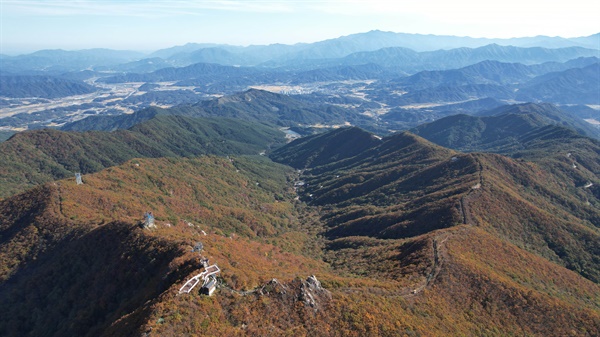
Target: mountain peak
[[320, 149]]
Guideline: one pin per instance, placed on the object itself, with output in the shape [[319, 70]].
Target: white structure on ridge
[[209, 282]]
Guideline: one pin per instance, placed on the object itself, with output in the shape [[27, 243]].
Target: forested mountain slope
[[34, 157], [405, 186], [78, 255]]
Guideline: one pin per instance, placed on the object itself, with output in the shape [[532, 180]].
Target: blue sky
[[148, 25]]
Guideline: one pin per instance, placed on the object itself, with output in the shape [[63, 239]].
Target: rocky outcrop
[[313, 294]]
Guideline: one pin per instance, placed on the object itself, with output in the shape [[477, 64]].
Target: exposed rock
[[313, 294], [273, 286]]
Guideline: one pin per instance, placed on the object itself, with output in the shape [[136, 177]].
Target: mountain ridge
[[399, 177], [484, 223], [45, 155], [499, 129], [42, 86], [387, 278], [392, 229]]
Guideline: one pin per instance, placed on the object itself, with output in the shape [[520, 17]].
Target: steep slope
[[4, 135], [549, 112], [389, 190], [321, 149], [76, 294], [83, 266], [468, 296], [111, 278], [80, 262], [551, 198], [465, 132], [542, 209], [44, 155], [405, 187]]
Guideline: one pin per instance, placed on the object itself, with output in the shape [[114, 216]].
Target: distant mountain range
[[504, 129], [60, 61], [251, 105], [460, 57], [370, 47], [372, 80], [573, 82], [363, 42], [406, 237], [483, 219], [470, 69], [571, 86], [493, 72], [398, 60], [552, 81], [287, 111]]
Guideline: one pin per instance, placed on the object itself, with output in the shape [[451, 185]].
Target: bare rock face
[[313, 294], [274, 287]]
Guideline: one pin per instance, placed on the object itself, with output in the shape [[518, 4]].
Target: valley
[[127, 98], [391, 226], [396, 88], [108, 99], [376, 184]]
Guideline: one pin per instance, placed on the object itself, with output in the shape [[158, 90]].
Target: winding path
[[438, 261]]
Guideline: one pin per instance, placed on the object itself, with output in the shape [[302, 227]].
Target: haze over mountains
[[388, 77], [378, 184], [334, 48]]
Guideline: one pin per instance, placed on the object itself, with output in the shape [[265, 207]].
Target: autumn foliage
[[408, 238]]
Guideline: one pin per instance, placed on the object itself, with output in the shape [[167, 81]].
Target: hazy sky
[[27, 26]]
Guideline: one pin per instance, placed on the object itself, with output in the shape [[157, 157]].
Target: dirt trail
[[439, 255], [438, 247], [59, 199], [465, 199]]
